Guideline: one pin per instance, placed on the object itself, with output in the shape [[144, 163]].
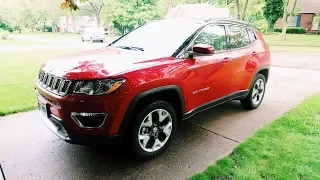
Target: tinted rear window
[[238, 37], [252, 36]]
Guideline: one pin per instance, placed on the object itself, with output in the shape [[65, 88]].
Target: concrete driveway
[[28, 150]]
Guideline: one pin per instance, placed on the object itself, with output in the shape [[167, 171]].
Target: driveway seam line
[[279, 102], [215, 133]]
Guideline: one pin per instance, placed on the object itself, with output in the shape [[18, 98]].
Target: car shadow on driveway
[[191, 151]]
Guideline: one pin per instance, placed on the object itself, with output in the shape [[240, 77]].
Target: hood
[[99, 63]]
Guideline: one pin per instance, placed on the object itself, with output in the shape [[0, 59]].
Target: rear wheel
[[256, 94], [153, 129], [91, 40], [82, 39], [101, 41]]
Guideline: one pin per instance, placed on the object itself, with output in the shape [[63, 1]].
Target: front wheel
[[153, 129], [256, 94]]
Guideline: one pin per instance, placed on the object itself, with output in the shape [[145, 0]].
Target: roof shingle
[[307, 6]]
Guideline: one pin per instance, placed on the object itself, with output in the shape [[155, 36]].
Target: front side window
[[238, 37], [214, 35]]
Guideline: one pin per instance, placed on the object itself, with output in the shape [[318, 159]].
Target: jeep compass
[[142, 85]]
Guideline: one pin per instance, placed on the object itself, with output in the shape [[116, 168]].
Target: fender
[[256, 73], [127, 117]]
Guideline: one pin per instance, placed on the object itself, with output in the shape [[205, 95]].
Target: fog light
[[89, 120]]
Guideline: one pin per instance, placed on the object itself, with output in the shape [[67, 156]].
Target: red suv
[[146, 82]]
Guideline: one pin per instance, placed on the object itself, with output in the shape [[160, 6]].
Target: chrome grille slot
[[54, 84], [65, 87], [45, 78], [57, 84]]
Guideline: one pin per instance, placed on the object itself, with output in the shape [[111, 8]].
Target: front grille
[[52, 83]]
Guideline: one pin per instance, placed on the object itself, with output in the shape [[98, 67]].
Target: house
[[202, 10], [74, 24], [306, 17]]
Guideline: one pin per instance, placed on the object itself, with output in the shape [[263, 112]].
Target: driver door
[[209, 75]]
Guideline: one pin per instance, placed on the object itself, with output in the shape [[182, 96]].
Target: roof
[[211, 20], [307, 6], [202, 10]]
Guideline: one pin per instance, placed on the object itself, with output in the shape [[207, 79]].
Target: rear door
[[208, 77], [242, 52]]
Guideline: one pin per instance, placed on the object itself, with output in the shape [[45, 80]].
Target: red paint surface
[[223, 73]]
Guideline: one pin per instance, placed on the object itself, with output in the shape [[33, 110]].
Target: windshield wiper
[[130, 48]]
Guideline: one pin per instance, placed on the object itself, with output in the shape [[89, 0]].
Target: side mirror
[[203, 49]]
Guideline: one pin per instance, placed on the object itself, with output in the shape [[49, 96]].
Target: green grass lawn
[[289, 148], [18, 71], [294, 43], [293, 40], [12, 42]]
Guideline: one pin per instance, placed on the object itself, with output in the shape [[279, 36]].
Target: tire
[[256, 94], [153, 139], [82, 39], [101, 41], [91, 40]]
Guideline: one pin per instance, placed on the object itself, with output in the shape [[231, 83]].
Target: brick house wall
[[306, 21]]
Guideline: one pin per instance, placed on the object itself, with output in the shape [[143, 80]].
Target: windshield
[[162, 37]]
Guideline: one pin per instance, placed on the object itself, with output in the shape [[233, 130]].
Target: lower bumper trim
[[57, 126]]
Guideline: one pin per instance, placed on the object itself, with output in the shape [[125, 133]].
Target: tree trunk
[[270, 27], [98, 19], [244, 10], [73, 17], [285, 25], [284, 21], [236, 9]]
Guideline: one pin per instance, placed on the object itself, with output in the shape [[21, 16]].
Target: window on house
[[293, 21]]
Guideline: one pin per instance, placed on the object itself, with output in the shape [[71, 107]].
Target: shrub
[[292, 30]]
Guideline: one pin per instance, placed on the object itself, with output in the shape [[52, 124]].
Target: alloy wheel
[[258, 91], [155, 130]]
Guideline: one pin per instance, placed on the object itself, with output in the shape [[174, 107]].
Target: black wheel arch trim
[[256, 73], [130, 110]]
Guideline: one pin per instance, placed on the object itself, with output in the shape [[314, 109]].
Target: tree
[[244, 10], [272, 11], [96, 6], [129, 15], [285, 21], [236, 9]]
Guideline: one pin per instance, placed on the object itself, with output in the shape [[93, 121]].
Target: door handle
[[226, 60]]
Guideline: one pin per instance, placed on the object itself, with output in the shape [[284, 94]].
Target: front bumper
[[59, 128], [59, 109]]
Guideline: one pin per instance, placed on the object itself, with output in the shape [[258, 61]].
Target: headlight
[[98, 87]]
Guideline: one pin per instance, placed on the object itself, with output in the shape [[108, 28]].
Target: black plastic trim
[[257, 71], [137, 98], [216, 102], [75, 138]]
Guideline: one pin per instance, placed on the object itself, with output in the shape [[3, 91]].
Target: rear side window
[[252, 36], [238, 37], [214, 35]]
